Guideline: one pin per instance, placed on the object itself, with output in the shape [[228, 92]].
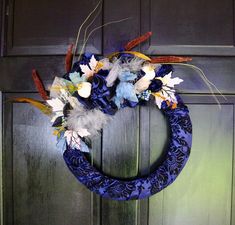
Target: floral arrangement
[[93, 89], [82, 101]]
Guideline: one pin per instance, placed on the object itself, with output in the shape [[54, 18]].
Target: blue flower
[[125, 90]]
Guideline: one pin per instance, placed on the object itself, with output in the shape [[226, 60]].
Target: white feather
[[106, 64], [113, 73], [91, 120], [133, 65]]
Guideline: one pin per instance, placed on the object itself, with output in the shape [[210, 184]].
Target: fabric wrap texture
[[176, 156]]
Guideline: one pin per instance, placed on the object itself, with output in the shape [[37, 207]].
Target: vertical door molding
[[1, 205]]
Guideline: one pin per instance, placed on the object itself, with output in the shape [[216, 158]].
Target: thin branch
[[80, 28], [108, 23]]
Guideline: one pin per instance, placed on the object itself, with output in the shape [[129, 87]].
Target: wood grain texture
[[120, 159], [1, 173], [190, 28], [40, 180], [233, 176], [96, 154], [16, 73], [47, 28], [158, 143], [121, 137], [117, 35], [7, 188], [39, 189], [144, 159], [207, 176], [2, 19]]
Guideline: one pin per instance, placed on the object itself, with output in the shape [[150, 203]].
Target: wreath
[[93, 89]]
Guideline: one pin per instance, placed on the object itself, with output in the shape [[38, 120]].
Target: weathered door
[[36, 186]]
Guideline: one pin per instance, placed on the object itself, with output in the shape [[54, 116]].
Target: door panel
[[202, 193], [42, 187], [41, 182], [48, 27], [120, 159], [193, 27]]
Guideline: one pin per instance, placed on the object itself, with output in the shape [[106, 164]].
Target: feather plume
[[119, 68], [69, 58], [137, 41], [107, 65], [114, 72], [134, 65], [39, 105], [81, 119], [39, 85]]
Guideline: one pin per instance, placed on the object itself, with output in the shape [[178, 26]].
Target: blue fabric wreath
[[176, 157]]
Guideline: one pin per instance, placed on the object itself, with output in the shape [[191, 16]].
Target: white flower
[[74, 141], [57, 107], [167, 93], [68, 98], [56, 104], [89, 70], [72, 138], [84, 89], [143, 83]]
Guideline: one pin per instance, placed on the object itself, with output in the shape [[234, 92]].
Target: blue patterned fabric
[[175, 159]]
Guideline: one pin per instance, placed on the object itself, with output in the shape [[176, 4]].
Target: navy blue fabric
[[175, 159], [100, 93], [164, 70]]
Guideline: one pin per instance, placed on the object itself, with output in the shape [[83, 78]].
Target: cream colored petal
[[158, 101], [165, 79], [149, 72], [56, 104], [85, 90], [93, 62], [72, 139], [86, 70], [174, 81], [83, 132], [141, 85], [169, 95]]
